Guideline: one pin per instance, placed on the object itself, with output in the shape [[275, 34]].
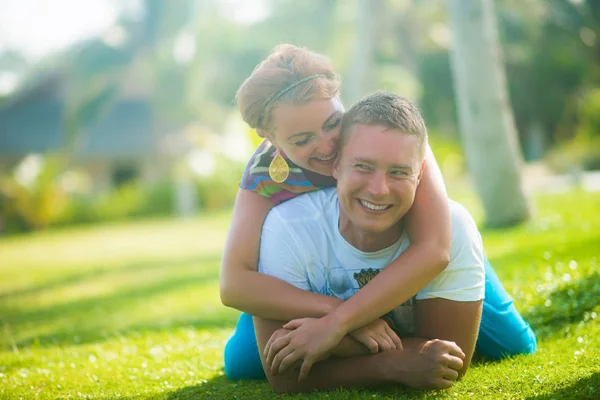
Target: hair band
[[287, 89]]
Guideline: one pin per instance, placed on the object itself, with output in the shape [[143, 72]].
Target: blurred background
[[115, 110]]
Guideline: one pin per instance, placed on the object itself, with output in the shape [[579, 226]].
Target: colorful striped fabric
[[256, 177]]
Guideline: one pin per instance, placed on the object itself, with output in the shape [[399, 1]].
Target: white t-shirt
[[301, 244]]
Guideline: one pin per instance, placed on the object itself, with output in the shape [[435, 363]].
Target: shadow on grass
[[565, 305], [584, 388], [84, 318], [100, 272], [111, 300], [89, 335], [222, 388]]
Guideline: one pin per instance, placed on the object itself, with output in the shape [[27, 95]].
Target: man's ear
[[336, 167], [421, 170]]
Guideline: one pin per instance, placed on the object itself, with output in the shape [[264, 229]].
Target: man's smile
[[372, 207]]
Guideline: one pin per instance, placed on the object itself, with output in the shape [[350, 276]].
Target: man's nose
[[378, 185]]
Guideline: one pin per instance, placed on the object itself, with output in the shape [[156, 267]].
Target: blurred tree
[[366, 37], [487, 125]]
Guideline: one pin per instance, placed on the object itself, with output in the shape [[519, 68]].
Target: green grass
[[132, 311]]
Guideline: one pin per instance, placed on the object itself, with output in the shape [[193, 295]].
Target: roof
[[37, 126]]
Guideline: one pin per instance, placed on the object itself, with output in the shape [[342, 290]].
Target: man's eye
[[399, 173], [362, 167]]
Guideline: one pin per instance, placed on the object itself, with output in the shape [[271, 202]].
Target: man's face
[[378, 171]]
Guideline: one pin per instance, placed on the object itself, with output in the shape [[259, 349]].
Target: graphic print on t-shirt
[[364, 276], [403, 316], [344, 283]]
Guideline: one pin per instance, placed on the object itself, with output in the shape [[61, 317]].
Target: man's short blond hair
[[389, 110]]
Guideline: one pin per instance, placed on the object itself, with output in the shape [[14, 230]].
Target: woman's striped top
[[256, 177]]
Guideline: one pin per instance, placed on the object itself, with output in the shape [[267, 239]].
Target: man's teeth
[[372, 206], [331, 157]]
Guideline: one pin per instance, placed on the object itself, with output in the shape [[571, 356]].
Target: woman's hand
[[377, 336], [310, 340]]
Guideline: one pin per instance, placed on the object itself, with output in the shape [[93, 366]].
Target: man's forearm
[[384, 368], [362, 371], [418, 365]]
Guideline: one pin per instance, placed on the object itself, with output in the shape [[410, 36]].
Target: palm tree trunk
[[360, 74], [487, 124]]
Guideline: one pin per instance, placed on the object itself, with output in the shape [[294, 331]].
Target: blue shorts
[[502, 333]]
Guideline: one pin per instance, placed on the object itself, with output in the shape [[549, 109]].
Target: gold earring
[[279, 169]]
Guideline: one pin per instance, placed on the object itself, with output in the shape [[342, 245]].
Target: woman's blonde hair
[[289, 74]]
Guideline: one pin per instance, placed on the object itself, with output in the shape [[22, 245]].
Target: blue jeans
[[502, 333]]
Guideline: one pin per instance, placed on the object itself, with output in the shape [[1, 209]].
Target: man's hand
[[377, 336], [434, 365], [310, 340]]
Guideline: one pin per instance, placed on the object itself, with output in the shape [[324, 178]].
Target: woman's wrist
[[331, 305], [340, 319]]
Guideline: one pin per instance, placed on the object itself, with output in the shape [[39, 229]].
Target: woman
[[291, 99]]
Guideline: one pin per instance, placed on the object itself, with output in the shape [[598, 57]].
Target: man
[[334, 241]]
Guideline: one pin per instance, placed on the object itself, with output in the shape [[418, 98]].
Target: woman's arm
[[243, 288], [428, 227]]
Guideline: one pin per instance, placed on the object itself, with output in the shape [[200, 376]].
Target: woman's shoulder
[[256, 177]]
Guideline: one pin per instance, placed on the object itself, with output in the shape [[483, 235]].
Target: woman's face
[[308, 133]]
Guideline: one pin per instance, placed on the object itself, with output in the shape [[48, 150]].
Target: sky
[[40, 27], [37, 28]]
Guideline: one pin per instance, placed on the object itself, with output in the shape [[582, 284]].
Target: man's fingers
[[395, 339], [276, 346], [391, 344], [454, 362], [283, 353], [443, 384], [305, 369], [456, 351], [385, 343], [371, 344], [397, 342], [367, 341], [450, 374]]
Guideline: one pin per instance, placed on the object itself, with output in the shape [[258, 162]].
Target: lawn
[[132, 311]]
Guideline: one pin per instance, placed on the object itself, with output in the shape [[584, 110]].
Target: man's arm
[[449, 307], [447, 332], [421, 364], [454, 321]]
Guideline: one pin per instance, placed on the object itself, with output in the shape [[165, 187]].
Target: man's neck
[[368, 242]]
